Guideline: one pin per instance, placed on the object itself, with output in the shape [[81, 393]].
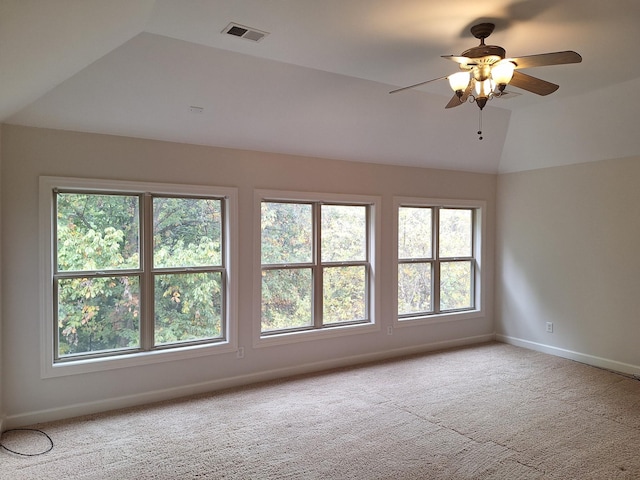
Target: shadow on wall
[[523, 305]]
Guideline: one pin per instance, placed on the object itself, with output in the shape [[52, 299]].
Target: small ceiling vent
[[244, 32]]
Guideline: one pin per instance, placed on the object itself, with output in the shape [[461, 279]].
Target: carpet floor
[[491, 411]]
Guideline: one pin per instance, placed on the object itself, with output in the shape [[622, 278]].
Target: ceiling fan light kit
[[486, 72]]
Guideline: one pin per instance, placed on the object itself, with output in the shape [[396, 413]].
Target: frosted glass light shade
[[483, 89], [502, 72], [459, 81]]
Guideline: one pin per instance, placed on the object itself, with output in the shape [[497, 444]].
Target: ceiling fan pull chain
[[480, 126]]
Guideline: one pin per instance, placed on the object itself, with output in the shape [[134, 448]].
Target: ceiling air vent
[[244, 32]]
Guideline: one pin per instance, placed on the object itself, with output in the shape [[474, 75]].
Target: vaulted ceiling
[[317, 84]]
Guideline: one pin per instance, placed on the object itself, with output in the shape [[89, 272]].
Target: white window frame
[[479, 281], [334, 330], [47, 186]]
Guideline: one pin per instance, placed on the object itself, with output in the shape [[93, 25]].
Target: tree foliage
[[99, 271], [456, 241], [288, 249], [314, 256], [454, 229]]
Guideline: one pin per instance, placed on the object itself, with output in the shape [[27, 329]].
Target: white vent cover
[[241, 31]]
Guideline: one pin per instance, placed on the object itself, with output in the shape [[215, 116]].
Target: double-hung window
[[438, 258], [316, 262], [134, 268]]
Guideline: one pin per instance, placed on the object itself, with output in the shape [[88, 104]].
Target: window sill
[[439, 318], [308, 335], [90, 365]]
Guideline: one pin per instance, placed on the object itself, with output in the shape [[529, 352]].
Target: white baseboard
[[68, 411], [570, 354]]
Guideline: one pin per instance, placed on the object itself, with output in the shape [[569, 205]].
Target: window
[[316, 262], [135, 268], [438, 258]]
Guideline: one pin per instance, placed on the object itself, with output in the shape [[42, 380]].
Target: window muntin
[[315, 265], [436, 280], [106, 302]]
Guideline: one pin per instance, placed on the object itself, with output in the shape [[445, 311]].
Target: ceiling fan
[[485, 72]]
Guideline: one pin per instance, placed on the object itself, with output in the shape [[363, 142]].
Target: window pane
[[97, 232], [344, 233], [286, 298], [187, 232], [414, 232], [188, 306], [344, 294], [287, 233], [414, 288], [456, 232], [455, 285], [97, 314]]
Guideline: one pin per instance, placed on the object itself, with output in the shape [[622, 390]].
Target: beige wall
[[1, 270], [29, 153], [567, 249]]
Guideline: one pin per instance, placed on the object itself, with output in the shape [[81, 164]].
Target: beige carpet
[[492, 411]]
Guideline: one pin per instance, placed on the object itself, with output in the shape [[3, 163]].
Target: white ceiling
[[318, 84]]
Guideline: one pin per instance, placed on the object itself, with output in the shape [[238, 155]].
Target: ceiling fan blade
[[456, 102], [416, 85], [460, 60], [532, 84], [543, 59]]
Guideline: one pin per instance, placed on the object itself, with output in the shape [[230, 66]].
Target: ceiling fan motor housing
[[480, 60], [485, 51]]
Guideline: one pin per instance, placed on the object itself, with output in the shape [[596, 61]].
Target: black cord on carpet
[[27, 430]]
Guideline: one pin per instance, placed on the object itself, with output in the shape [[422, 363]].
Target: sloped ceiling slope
[[318, 84]]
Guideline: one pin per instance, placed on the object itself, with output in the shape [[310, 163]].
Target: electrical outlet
[[549, 327], [240, 352], [389, 330]]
